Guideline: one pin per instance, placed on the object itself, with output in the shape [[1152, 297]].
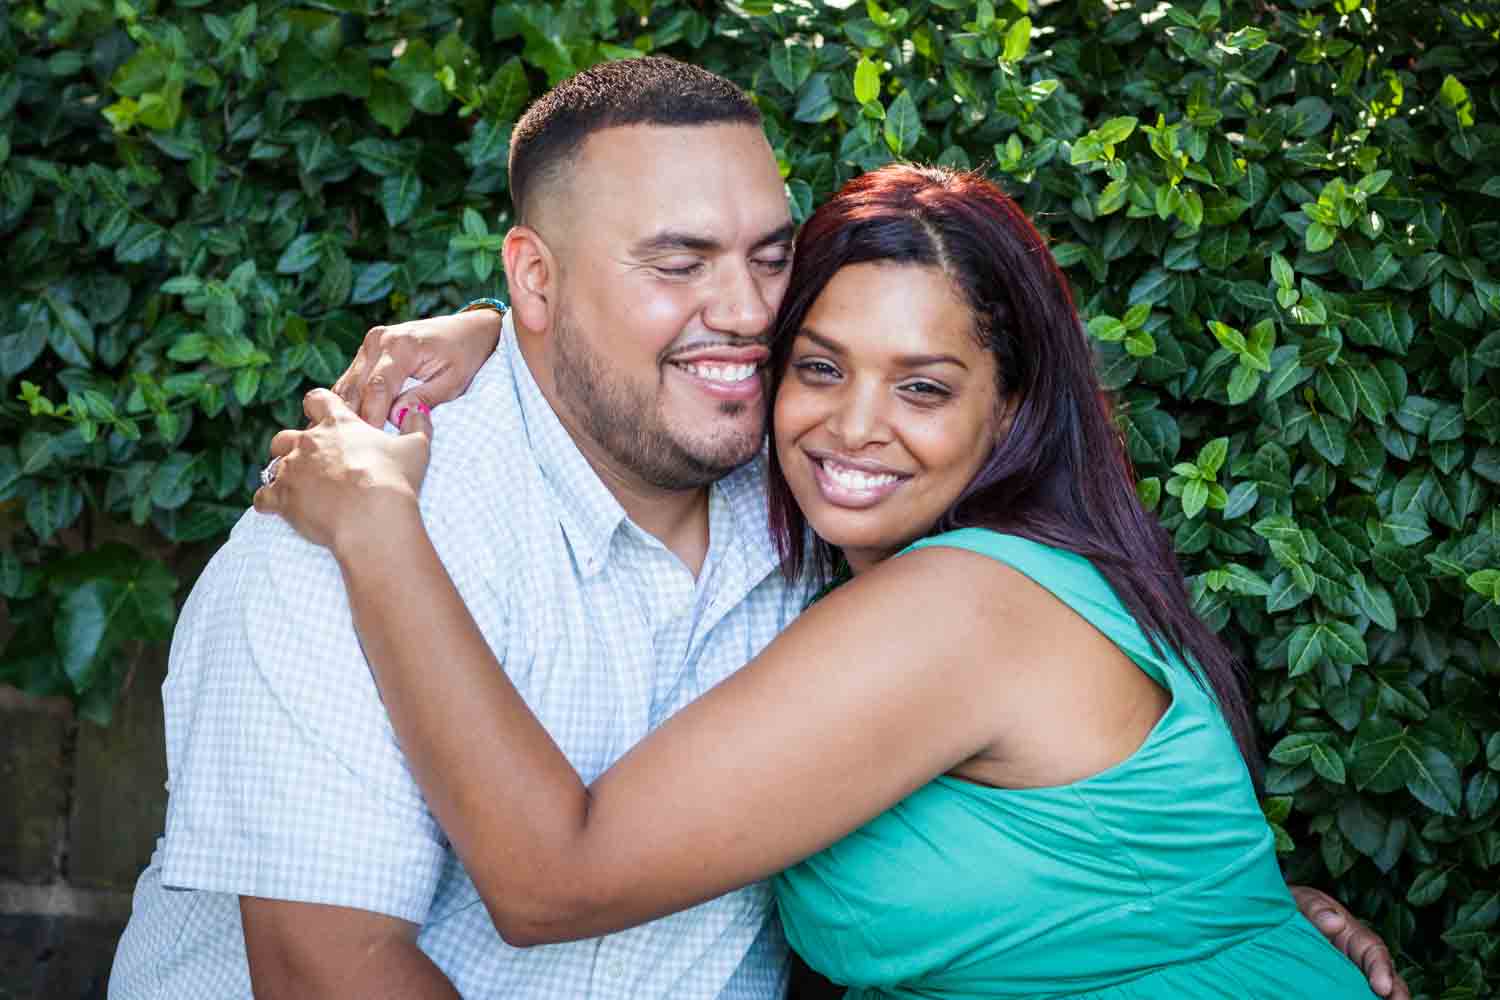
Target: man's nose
[[742, 304]]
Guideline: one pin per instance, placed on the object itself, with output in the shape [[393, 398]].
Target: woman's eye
[[817, 369], [928, 390]]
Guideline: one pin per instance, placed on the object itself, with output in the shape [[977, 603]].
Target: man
[[594, 499]]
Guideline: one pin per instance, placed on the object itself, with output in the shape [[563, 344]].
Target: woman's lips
[[844, 485]]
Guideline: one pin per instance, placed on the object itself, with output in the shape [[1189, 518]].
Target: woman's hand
[[443, 352], [343, 484]]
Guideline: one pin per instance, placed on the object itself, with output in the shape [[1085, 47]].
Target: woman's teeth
[[728, 374], [853, 479]]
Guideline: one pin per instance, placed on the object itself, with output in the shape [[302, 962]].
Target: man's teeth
[[720, 373], [853, 479]]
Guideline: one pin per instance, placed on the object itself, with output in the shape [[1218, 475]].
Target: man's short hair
[[649, 91]]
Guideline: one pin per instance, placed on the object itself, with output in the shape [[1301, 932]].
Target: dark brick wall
[[81, 807]]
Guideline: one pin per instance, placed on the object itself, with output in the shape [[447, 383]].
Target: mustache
[[703, 343]]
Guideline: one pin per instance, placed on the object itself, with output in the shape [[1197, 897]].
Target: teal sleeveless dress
[[1153, 880]]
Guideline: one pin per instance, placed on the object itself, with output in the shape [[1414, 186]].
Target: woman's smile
[[854, 483]]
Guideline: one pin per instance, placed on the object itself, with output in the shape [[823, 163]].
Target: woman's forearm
[[506, 796]]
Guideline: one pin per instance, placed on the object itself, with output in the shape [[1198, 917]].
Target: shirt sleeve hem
[[399, 883]]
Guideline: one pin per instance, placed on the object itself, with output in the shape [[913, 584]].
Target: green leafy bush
[[1279, 222]]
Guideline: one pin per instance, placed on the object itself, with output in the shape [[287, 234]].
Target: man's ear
[[530, 277]]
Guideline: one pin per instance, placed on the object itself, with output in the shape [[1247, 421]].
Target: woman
[[1004, 760]]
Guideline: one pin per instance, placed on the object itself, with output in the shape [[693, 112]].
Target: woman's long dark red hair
[[1060, 475]]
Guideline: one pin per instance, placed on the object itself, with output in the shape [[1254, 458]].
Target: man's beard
[[627, 423]]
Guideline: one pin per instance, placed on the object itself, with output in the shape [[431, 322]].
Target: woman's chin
[[863, 548]]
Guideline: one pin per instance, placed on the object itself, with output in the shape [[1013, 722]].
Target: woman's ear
[[530, 277], [1006, 409]]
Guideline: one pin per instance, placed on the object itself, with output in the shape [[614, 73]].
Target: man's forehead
[[645, 182]]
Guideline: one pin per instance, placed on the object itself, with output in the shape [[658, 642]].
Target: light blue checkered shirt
[[285, 777]]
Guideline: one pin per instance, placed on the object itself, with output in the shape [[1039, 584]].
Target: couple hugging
[[528, 700]]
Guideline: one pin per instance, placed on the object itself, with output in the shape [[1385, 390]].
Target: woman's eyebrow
[[904, 360], [923, 360], [827, 343]]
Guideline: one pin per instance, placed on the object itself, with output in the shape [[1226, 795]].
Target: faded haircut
[[648, 91]]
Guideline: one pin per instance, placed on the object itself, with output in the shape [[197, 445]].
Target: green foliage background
[[1279, 222]]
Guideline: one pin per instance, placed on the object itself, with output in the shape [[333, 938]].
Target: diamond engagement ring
[[268, 474]]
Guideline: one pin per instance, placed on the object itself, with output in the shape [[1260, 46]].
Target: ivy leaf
[[1482, 792], [82, 622], [399, 196], [140, 243], [1337, 390], [1372, 394], [1375, 601], [1224, 246], [1319, 237], [903, 124], [1434, 780], [70, 334], [300, 254], [791, 65], [487, 146], [1363, 825], [1343, 643], [815, 101], [509, 92], [415, 72], [1243, 383], [1446, 423], [374, 282], [1017, 40], [1329, 437], [1428, 887], [866, 80], [1320, 748], [381, 157], [1304, 649], [1486, 583], [1382, 753], [172, 482], [53, 508]]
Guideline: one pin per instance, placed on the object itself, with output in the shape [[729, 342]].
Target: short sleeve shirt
[[285, 777]]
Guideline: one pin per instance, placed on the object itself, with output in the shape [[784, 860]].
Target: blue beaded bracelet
[[487, 303]]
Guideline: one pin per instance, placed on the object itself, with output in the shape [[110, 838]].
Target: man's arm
[[287, 783], [1362, 945], [308, 950]]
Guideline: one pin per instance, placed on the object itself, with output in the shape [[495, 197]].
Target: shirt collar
[[744, 489], [590, 514], [587, 510]]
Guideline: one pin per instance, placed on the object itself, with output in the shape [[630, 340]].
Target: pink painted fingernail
[[426, 412], [401, 415]]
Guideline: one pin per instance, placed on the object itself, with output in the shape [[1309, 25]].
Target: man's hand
[[1363, 946], [307, 951], [443, 352]]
